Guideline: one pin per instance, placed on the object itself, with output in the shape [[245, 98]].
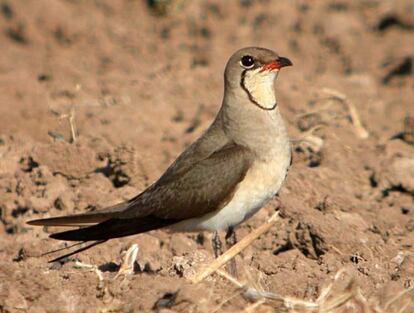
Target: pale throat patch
[[260, 86]]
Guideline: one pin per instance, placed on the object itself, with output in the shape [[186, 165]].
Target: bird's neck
[[262, 131]]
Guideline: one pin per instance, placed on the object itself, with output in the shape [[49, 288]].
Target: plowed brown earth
[[140, 86]]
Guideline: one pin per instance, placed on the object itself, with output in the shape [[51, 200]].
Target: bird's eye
[[247, 61]]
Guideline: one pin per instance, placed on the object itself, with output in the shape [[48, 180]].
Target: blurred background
[[97, 98]]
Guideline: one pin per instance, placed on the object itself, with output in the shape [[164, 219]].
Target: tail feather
[[99, 226], [59, 258], [83, 219], [112, 228], [71, 220], [62, 249]]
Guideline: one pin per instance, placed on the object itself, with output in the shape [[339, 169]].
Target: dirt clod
[[97, 98]]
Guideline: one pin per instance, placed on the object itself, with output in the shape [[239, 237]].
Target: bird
[[223, 178]]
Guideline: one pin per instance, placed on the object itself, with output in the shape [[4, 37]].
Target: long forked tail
[[99, 227], [112, 228], [64, 256], [88, 218]]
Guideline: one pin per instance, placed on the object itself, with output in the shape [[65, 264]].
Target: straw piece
[[236, 249], [356, 121]]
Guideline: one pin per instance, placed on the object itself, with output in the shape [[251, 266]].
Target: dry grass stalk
[[126, 267], [349, 298], [222, 303], [397, 297], [326, 107], [254, 306], [308, 139], [236, 249], [72, 123], [326, 303], [127, 261], [93, 268], [79, 264], [356, 121]]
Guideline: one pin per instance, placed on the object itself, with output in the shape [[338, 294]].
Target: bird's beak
[[276, 64]]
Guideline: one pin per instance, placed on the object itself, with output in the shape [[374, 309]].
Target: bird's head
[[251, 72]]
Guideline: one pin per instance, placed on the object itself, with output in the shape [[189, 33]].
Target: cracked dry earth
[[140, 82]]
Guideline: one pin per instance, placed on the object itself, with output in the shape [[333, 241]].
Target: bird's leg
[[231, 240], [217, 246]]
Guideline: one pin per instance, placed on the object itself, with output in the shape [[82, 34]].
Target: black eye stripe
[[247, 61]]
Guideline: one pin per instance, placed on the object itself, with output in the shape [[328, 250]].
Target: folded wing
[[190, 191]]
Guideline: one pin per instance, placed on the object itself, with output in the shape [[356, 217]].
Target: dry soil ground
[[140, 82]]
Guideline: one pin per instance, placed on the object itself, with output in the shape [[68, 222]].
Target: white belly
[[261, 183]]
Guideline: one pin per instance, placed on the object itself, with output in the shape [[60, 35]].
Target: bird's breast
[[262, 182]]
